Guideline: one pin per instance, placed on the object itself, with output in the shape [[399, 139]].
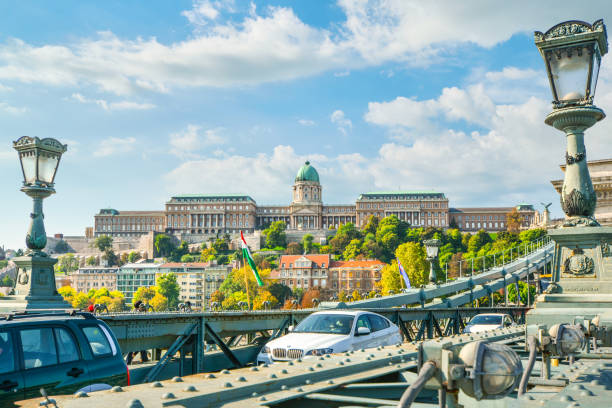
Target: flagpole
[[246, 283]]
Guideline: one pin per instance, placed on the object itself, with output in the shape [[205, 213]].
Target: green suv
[[62, 352]]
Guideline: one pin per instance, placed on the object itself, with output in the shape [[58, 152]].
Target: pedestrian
[[90, 308]]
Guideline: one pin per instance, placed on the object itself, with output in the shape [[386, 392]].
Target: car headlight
[[319, 352], [266, 350]]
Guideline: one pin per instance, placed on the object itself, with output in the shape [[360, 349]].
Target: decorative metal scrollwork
[[578, 264], [605, 248], [569, 159]]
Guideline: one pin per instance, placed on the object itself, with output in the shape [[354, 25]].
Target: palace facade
[[202, 215]]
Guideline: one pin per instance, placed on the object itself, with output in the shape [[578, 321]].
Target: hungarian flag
[[246, 255]]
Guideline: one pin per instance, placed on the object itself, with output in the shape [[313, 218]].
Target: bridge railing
[[469, 267]]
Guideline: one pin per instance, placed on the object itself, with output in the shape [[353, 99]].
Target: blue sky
[[160, 98]]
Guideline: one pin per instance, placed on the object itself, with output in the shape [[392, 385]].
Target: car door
[[51, 360], [11, 379], [106, 362], [379, 329], [363, 341]]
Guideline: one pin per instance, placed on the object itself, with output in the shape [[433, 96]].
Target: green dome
[[307, 173]]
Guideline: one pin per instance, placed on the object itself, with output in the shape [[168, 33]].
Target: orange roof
[[317, 258], [185, 265], [356, 264]]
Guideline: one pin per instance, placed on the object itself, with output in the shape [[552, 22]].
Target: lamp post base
[[34, 286]]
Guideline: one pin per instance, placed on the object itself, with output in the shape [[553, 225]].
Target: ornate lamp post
[[572, 52], [35, 286], [582, 267], [432, 246]]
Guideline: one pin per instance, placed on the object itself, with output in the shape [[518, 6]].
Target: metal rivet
[[566, 398], [211, 376], [228, 385], [80, 394], [595, 382], [254, 369], [272, 376], [157, 384], [262, 398], [299, 389], [290, 363], [321, 358], [586, 393], [134, 403], [189, 388], [168, 395], [362, 350], [330, 381], [283, 371], [348, 360], [389, 354], [299, 360], [241, 379], [283, 387], [340, 363], [254, 394], [225, 372], [318, 365], [368, 358], [177, 379], [308, 382], [117, 389], [265, 365], [311, 369]]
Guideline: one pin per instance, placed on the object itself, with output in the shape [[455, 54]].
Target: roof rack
[[47, 312]]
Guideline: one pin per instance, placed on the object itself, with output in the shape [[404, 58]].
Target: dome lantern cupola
[[307, 173]]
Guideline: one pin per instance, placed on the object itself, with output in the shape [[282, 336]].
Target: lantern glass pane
[[596, 60], [28, 161], [570, 72], [499, 369], [47, 163], [431, 251]]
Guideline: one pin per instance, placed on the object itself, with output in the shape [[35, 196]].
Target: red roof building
[[303, 271]]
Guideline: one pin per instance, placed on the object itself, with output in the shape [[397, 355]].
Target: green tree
[[414, 260], [187, 258], [116, 305], [345, 234], [91, 261], [514, 220], [110, 257], [164, 245], [298, 293], [7, 281], [280, 291], [231, 301], [115, 294], [133, 257], [512, 297], [144, 293], [371, 225], [307, 241], [102, 292], [169, 288], [66, 264], [178, 252], [389, 234], [275, 234], [103, 243], [478, 240], [295, 248], [352, 250]]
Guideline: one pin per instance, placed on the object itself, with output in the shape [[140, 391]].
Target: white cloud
[[190, 141], [4, 88], [13, 110], [112, 106], [306, 122], [339, 119], [204, 11], [277, 45], [115, 145]]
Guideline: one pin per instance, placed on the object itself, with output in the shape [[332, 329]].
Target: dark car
[[62, 352]]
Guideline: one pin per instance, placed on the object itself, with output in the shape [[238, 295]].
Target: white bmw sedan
[[331, 332]]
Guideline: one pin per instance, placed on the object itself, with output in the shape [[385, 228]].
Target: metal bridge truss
[[363, 378]]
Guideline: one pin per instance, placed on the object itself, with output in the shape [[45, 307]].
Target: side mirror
[[290, 328], [362, 331], [508, 324]]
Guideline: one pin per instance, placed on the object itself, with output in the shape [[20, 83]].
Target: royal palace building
[[198, 216]]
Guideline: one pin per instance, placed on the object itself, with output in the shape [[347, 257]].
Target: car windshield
[[326, 323], [486, 319]]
